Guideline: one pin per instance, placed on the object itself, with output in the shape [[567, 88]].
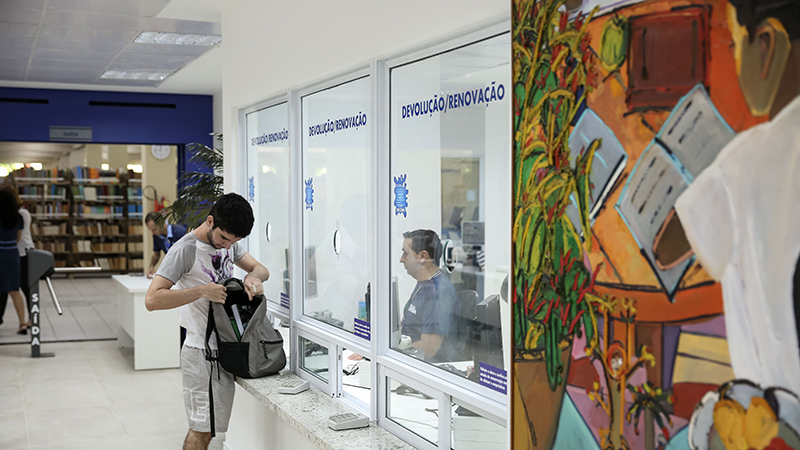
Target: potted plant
[[553, 295], [200, 189]]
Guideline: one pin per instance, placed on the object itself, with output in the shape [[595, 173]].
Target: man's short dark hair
[[233, 214], [426, 240], [750, 14], [151, 216]]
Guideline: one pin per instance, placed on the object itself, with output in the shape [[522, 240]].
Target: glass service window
[[336, 198], [451, 211], [469, 430], [313, 358], [268, 191], [356, 381], [413, 410]]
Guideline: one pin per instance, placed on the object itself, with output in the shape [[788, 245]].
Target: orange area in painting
[[612, 243]]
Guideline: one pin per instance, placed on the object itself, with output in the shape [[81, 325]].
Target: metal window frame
[[272, 309], [489, 403], [445, 387]]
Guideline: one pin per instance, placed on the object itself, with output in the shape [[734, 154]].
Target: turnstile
[[40, 267]]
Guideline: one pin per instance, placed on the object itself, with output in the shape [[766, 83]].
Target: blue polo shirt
[[174, 234], [434, 309]]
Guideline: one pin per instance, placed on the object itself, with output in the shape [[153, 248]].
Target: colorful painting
[[656, 214]]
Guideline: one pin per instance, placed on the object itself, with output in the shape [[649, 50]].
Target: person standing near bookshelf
[[195, 265], [11, 225], [163, 238]]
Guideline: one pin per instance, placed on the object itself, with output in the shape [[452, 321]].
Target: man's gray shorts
[[194, 369]]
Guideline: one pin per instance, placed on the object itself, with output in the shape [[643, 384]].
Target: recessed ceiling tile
[[22, 52], [15, 15], [184, 26], [62, 75], [18, 30], [161, 49], [13, 63], [145, 8], [65, 45], [89, 20], [70, 63], [40, 54], [139, 61], [12, 76], [22, 4], [52, 32]]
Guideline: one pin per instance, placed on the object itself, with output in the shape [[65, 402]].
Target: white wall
[[272, 47]]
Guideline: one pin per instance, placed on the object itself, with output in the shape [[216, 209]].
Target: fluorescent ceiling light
[[154, 37], [136, 74]]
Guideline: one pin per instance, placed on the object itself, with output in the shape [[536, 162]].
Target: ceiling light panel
[[98, 21], [154, 37], [136, 83], [25, 16], [142, 75], [146, 8]]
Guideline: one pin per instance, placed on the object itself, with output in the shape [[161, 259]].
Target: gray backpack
[[247, 344]]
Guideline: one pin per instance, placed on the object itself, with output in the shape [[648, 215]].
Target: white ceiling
[[67, 44]]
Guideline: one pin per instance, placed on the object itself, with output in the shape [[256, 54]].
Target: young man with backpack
[[195, 265]]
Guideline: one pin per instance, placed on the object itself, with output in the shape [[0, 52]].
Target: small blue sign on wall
[[251, 189], [400, 196], [310, 194]]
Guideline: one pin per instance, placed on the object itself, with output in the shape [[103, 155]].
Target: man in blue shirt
[[430, 317], [163, 238]]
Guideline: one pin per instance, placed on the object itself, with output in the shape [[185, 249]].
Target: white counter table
[[154, 336]]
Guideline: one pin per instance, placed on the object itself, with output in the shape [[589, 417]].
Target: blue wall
[[190, 120]]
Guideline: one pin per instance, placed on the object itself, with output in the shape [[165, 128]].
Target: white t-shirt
[[742, 218], [190, 263], [25, 241]]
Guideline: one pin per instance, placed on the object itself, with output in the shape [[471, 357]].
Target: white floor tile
[[13, 431], [51, 426]]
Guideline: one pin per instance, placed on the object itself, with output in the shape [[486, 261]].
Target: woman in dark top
[[10, 232]]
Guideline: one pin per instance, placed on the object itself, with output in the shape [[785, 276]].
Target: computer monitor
[[489, 347], [472, 232], [394, 312]]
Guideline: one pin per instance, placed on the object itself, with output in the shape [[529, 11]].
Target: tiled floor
[[88, 397], [89, 306]]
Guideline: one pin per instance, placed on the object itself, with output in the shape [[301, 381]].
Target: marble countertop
[[308, 413]]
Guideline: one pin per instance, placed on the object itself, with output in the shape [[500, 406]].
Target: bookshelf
[[86, 217]]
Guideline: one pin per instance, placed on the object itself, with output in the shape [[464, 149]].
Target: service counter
[[264, 419], [154, 335]]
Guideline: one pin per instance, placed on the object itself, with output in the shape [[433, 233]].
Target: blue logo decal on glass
[[252, 189], [400, 196], [310, 194]]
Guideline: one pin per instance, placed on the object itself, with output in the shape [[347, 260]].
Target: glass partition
[[313, 358], [268, 191], [413, 410], [336, 198], [469, 430], [451, 207], [356, 381]]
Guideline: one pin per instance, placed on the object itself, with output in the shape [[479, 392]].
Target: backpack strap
[[211, 326]]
